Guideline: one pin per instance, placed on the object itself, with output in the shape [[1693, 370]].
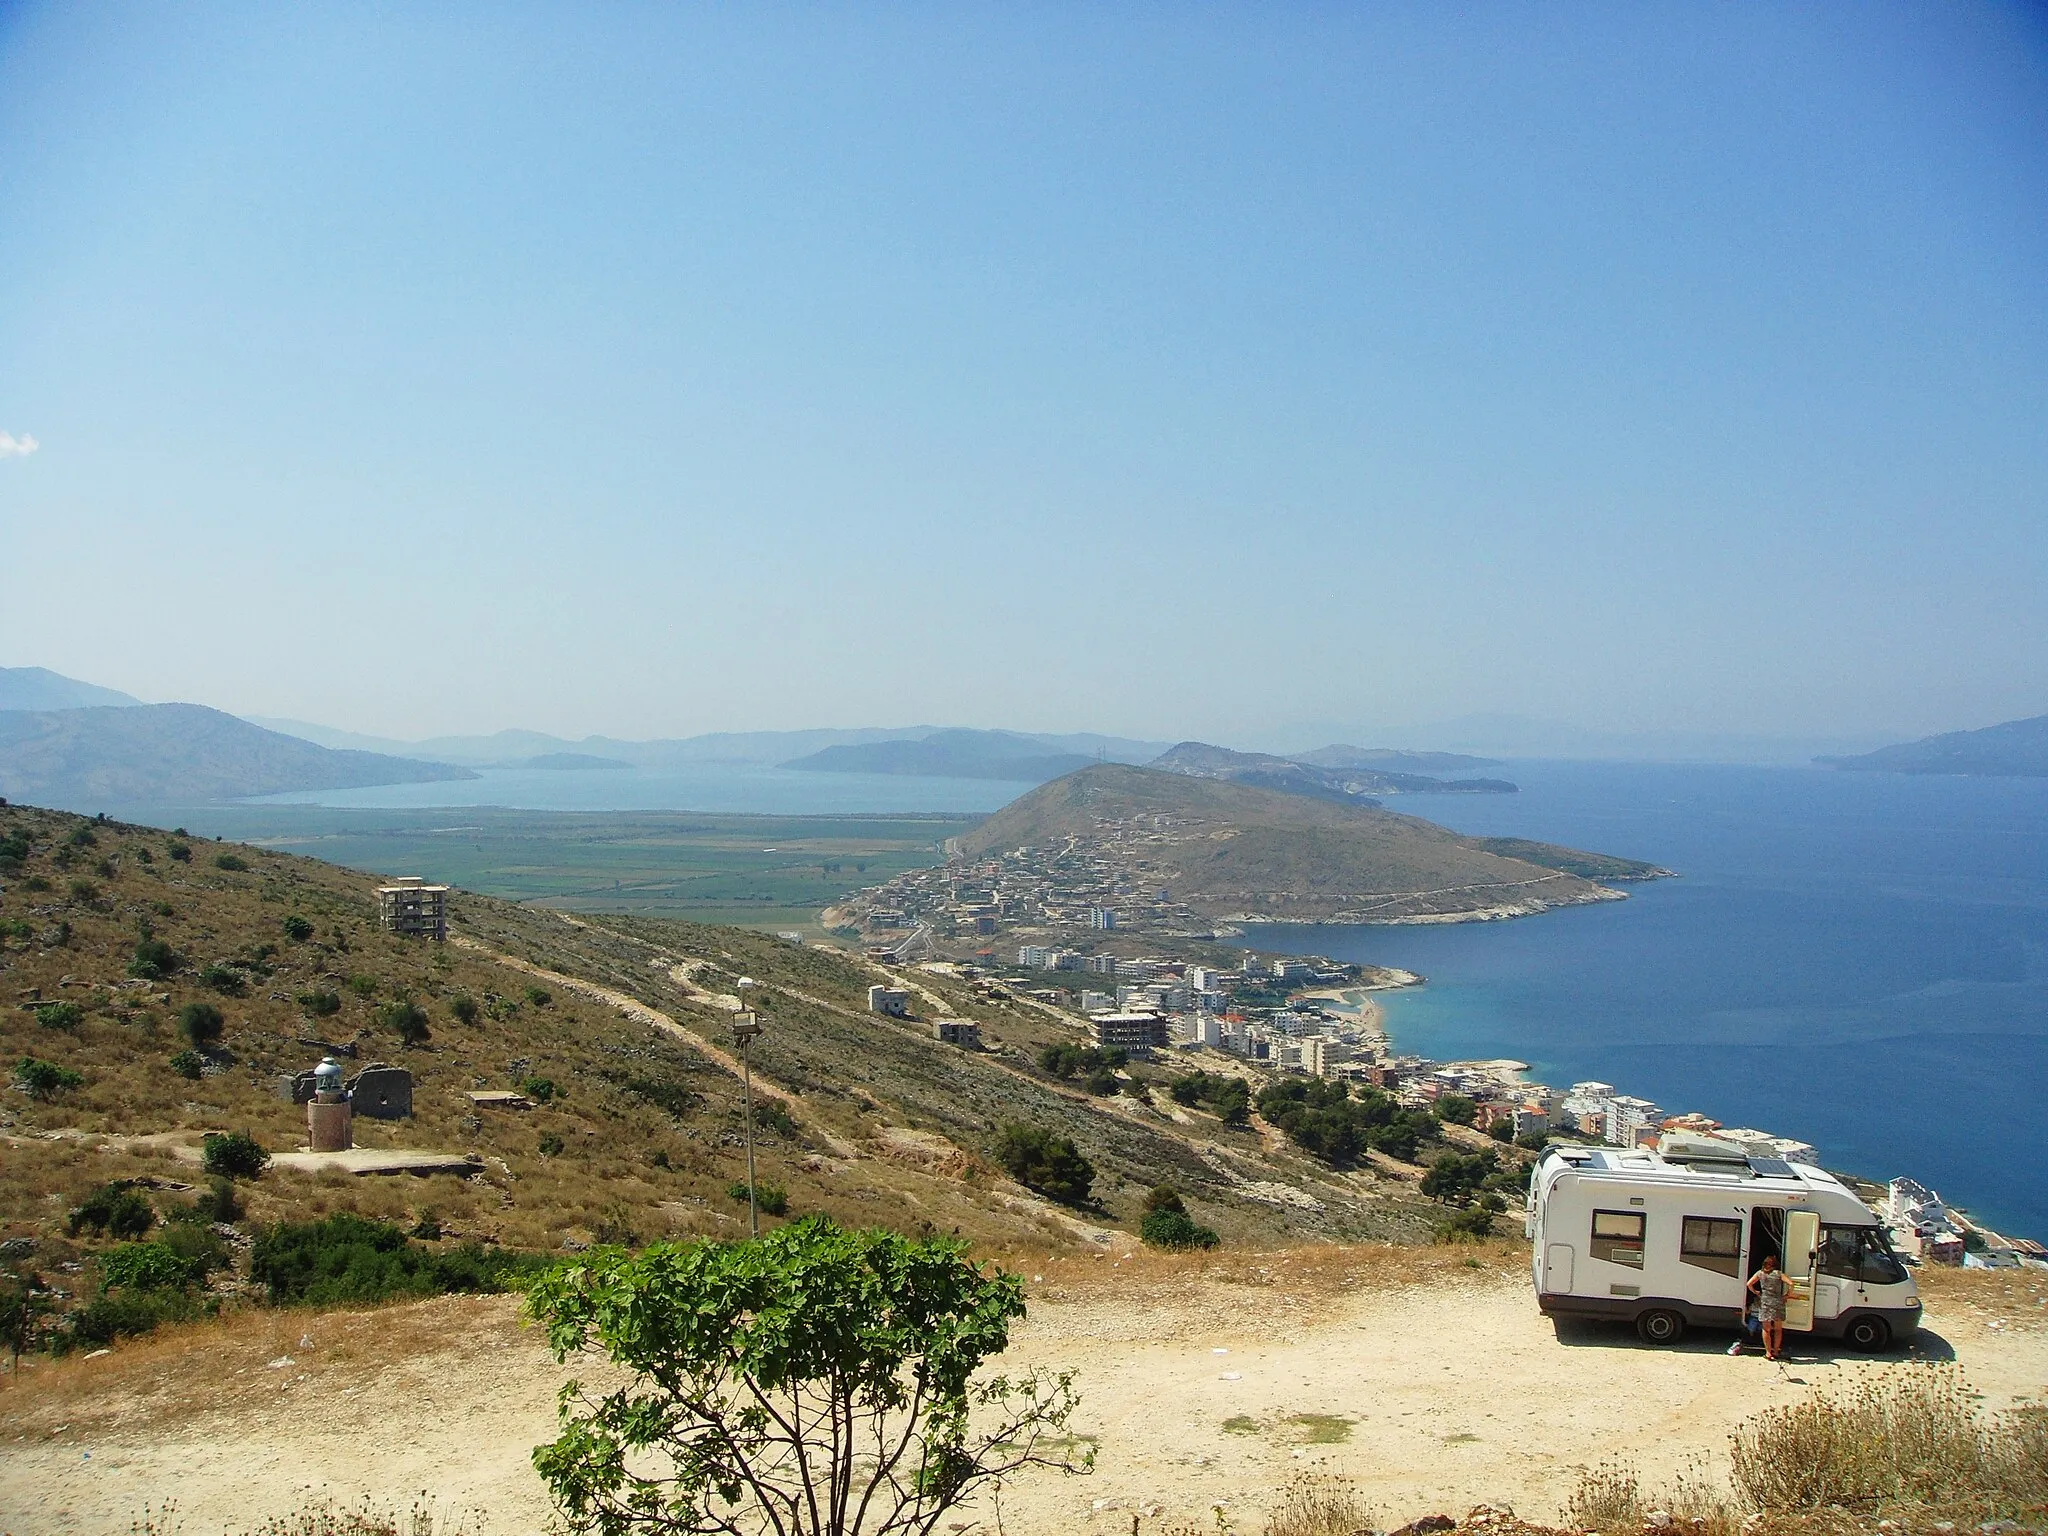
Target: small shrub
[[1164, 1197], [201, 1023], [225, 979], [85, 893], [234, 1155], [144, 856], [197, 1245], [541, 1090], [112, 1210], [217, 1203], [297, 928], [1175, 1230], [463, 1007], [83, 837], [163, 909], [540, 997], [125, 1314], [180, 853], [773, 1199], [1608, 1498], [189, 1064], [147, 1267], [1050, 1164], [319, 1005], [364, 987], [60, 1015], [1472, 1224], [1456, 1109], [348, 1259], [551, 1145], [234, 863], [154, 958], [407, 1020], [44, 1080]]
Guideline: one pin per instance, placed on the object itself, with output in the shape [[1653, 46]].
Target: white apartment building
[[1628, 1117]]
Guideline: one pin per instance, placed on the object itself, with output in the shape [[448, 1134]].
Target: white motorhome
[[1667, 1240]]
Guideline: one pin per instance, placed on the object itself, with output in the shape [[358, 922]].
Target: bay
[[1857, 960]]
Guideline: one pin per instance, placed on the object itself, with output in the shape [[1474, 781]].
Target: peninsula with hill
[[1180, 857]]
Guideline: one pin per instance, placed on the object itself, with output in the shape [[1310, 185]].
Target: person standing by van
[[1770, 1286]]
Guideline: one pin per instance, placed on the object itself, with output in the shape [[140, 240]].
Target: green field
[[772, 872]]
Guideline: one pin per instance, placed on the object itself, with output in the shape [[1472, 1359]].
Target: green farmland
[[772, 872]]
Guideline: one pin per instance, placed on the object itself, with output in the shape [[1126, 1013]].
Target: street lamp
[[746, 1025]]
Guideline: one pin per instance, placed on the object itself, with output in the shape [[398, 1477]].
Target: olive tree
[[813, 1382]]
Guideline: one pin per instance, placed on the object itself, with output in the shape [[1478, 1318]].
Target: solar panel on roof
[[1772, 1168]]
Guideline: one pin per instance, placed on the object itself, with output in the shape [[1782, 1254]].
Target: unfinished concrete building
[[412, 907]]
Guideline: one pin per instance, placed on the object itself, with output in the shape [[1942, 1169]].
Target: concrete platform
[[366, 1160]]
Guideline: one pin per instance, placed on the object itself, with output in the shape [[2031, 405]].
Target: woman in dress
[[1770, 1286]]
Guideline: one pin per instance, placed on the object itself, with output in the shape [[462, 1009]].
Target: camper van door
[[1802, 1243]]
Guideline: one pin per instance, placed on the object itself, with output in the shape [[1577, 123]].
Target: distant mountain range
[[1331, 773], [175, 754], [2016, 749], [40, 688]]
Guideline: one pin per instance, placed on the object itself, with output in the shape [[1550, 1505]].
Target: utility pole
[[745, 1026]]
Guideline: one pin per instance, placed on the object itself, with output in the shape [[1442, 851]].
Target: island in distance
[[1173, 856], [1350, 775], [2016, 749]]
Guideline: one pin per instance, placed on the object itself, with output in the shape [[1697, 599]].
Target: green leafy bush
[[552, 1145], [225, 979], [148, 1267], [364, 987], [347, 1259], [125, 1314], [463, 1006], [1228, 1098], [1066, 1061], [60, 1015], [297, 928], [180, 853], [232, 862], [541, 1090], [44, 1080], [1323, 1119], [773, 1199], [540, 997], [188, 1064], [234, 1155], [1176, 1230], [154, 959], [319, 1004], [116, 1210], [1458, 1176], [407, 1020], [1471, 1224], [1048, 1163], [815, 1369], [201, 1023], [1456, 1109]]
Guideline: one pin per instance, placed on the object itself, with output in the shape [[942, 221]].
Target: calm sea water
[[728, 788], [1858, 960]]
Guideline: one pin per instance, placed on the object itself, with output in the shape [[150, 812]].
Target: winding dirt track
[[1434, 1395]]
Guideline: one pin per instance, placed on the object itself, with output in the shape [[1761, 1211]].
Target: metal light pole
[[745, 1026]]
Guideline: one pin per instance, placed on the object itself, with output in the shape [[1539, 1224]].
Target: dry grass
[[1907, 1446], [1315, 1505], [322, 1516]]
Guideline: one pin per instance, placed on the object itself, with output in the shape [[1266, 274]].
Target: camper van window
[[1858, 1253], [1618, 1237], [1708, 1242]]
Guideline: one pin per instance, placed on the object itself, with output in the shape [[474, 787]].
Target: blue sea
[[1858, 960]]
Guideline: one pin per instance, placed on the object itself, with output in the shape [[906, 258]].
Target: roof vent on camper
[[1693, 1147]]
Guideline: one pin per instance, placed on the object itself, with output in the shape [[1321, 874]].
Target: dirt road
[[1434, 1385]]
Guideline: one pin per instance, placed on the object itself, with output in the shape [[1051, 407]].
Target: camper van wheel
[[1661, 1327], [1868, 1334]]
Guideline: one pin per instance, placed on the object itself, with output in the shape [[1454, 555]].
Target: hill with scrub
[[615, 1033], [1234, 851]]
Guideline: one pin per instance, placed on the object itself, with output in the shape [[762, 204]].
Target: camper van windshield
[[1858, 1253]]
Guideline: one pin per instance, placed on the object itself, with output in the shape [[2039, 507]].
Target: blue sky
[[1162, 370]]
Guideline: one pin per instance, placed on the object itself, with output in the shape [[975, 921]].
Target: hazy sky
[[1165, 370]]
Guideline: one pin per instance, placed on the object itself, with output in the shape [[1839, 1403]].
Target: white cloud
[[10, 445]]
